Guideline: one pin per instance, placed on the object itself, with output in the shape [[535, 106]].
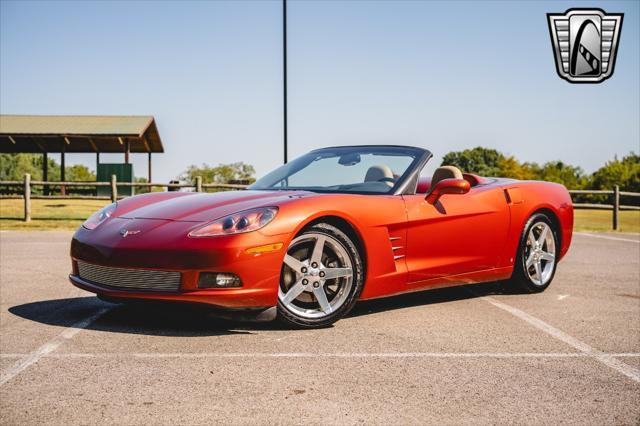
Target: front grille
[[130, 279]]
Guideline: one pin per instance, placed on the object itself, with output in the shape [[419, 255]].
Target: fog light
[[218, 280]]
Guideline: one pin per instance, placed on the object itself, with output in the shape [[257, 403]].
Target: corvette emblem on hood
[[124, 232]]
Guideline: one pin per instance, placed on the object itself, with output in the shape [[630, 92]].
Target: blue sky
[[441, 75]]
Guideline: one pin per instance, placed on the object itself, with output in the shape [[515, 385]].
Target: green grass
[[47, 214], [602, 221], [69, 214]]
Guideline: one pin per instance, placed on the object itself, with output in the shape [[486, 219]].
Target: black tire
[[521, 279], [291, 319]]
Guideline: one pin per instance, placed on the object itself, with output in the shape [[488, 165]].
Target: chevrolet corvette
[[332, 227]]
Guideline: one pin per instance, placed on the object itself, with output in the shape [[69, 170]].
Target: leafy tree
[[79, 173], [14, 166], [479, 160], [511, 168], [490, 162], [223, 173], [557, 171], [625, 172]]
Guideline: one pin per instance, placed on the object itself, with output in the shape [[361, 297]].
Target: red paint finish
[[451, 237], [407, 243]]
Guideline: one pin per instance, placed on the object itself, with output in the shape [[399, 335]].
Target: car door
[[461, 233]]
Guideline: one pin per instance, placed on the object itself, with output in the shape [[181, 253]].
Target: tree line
[[14, 166], [624, 171]]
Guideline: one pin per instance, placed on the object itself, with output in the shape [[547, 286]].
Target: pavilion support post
[[27, 197], [114, 188], [198, 183], [63, 177], [149, 170], [127, 148], [97, 167], [45, 172]]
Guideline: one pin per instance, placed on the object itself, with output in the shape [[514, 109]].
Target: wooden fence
[[27, 184], [615, 207]]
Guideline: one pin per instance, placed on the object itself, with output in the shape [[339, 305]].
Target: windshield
[[376, 170]]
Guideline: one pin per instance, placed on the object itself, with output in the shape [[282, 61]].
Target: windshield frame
[[404, 185]]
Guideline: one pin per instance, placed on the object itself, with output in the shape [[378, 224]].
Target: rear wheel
[[537, 255], [321, 277]]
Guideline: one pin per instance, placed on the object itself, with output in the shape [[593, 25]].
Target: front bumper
[[165, 247], [232, 298]]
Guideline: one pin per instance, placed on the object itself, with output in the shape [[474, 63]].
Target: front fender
[[374, 218]]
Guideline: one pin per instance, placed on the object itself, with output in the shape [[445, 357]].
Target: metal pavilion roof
[[78, 133]]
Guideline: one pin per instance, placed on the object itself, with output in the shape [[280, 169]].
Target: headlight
[[100, 216], [246, 221]]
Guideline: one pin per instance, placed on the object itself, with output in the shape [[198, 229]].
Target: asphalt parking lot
[[453, 356]]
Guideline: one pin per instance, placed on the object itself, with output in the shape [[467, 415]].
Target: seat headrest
[[375, 173], [445, 172]]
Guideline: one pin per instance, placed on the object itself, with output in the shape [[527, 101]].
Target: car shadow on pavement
[[427, 297], [188, 320], [155, 319]]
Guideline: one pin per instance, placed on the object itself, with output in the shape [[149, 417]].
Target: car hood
[[203, 207]]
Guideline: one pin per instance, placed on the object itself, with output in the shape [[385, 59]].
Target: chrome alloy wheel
[[317, 276], [540, 253]]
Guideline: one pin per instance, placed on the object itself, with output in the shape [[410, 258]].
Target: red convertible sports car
[[334, 226]]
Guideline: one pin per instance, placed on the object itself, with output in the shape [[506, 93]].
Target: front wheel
[[321, 277], [537, 255]]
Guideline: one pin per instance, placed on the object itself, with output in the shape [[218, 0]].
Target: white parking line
[[605, 237], [49, 347], [607, 359], [325, 355]]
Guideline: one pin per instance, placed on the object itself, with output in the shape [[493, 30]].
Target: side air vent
[[513, 195], [397, 248]]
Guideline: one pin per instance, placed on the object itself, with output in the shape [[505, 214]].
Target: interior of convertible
[[425, 183], [383, 173], [368, 169]]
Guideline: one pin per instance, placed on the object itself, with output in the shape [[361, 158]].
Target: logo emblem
[[585, 43], [124, 232]]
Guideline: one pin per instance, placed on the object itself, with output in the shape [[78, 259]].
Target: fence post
[[616, 206], [27, 197], [198, 183], [114, 189]]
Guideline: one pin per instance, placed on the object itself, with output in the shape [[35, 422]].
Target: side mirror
[[447, 186]]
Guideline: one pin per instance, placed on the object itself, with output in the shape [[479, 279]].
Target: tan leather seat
[[445, 172], [376, 173]]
